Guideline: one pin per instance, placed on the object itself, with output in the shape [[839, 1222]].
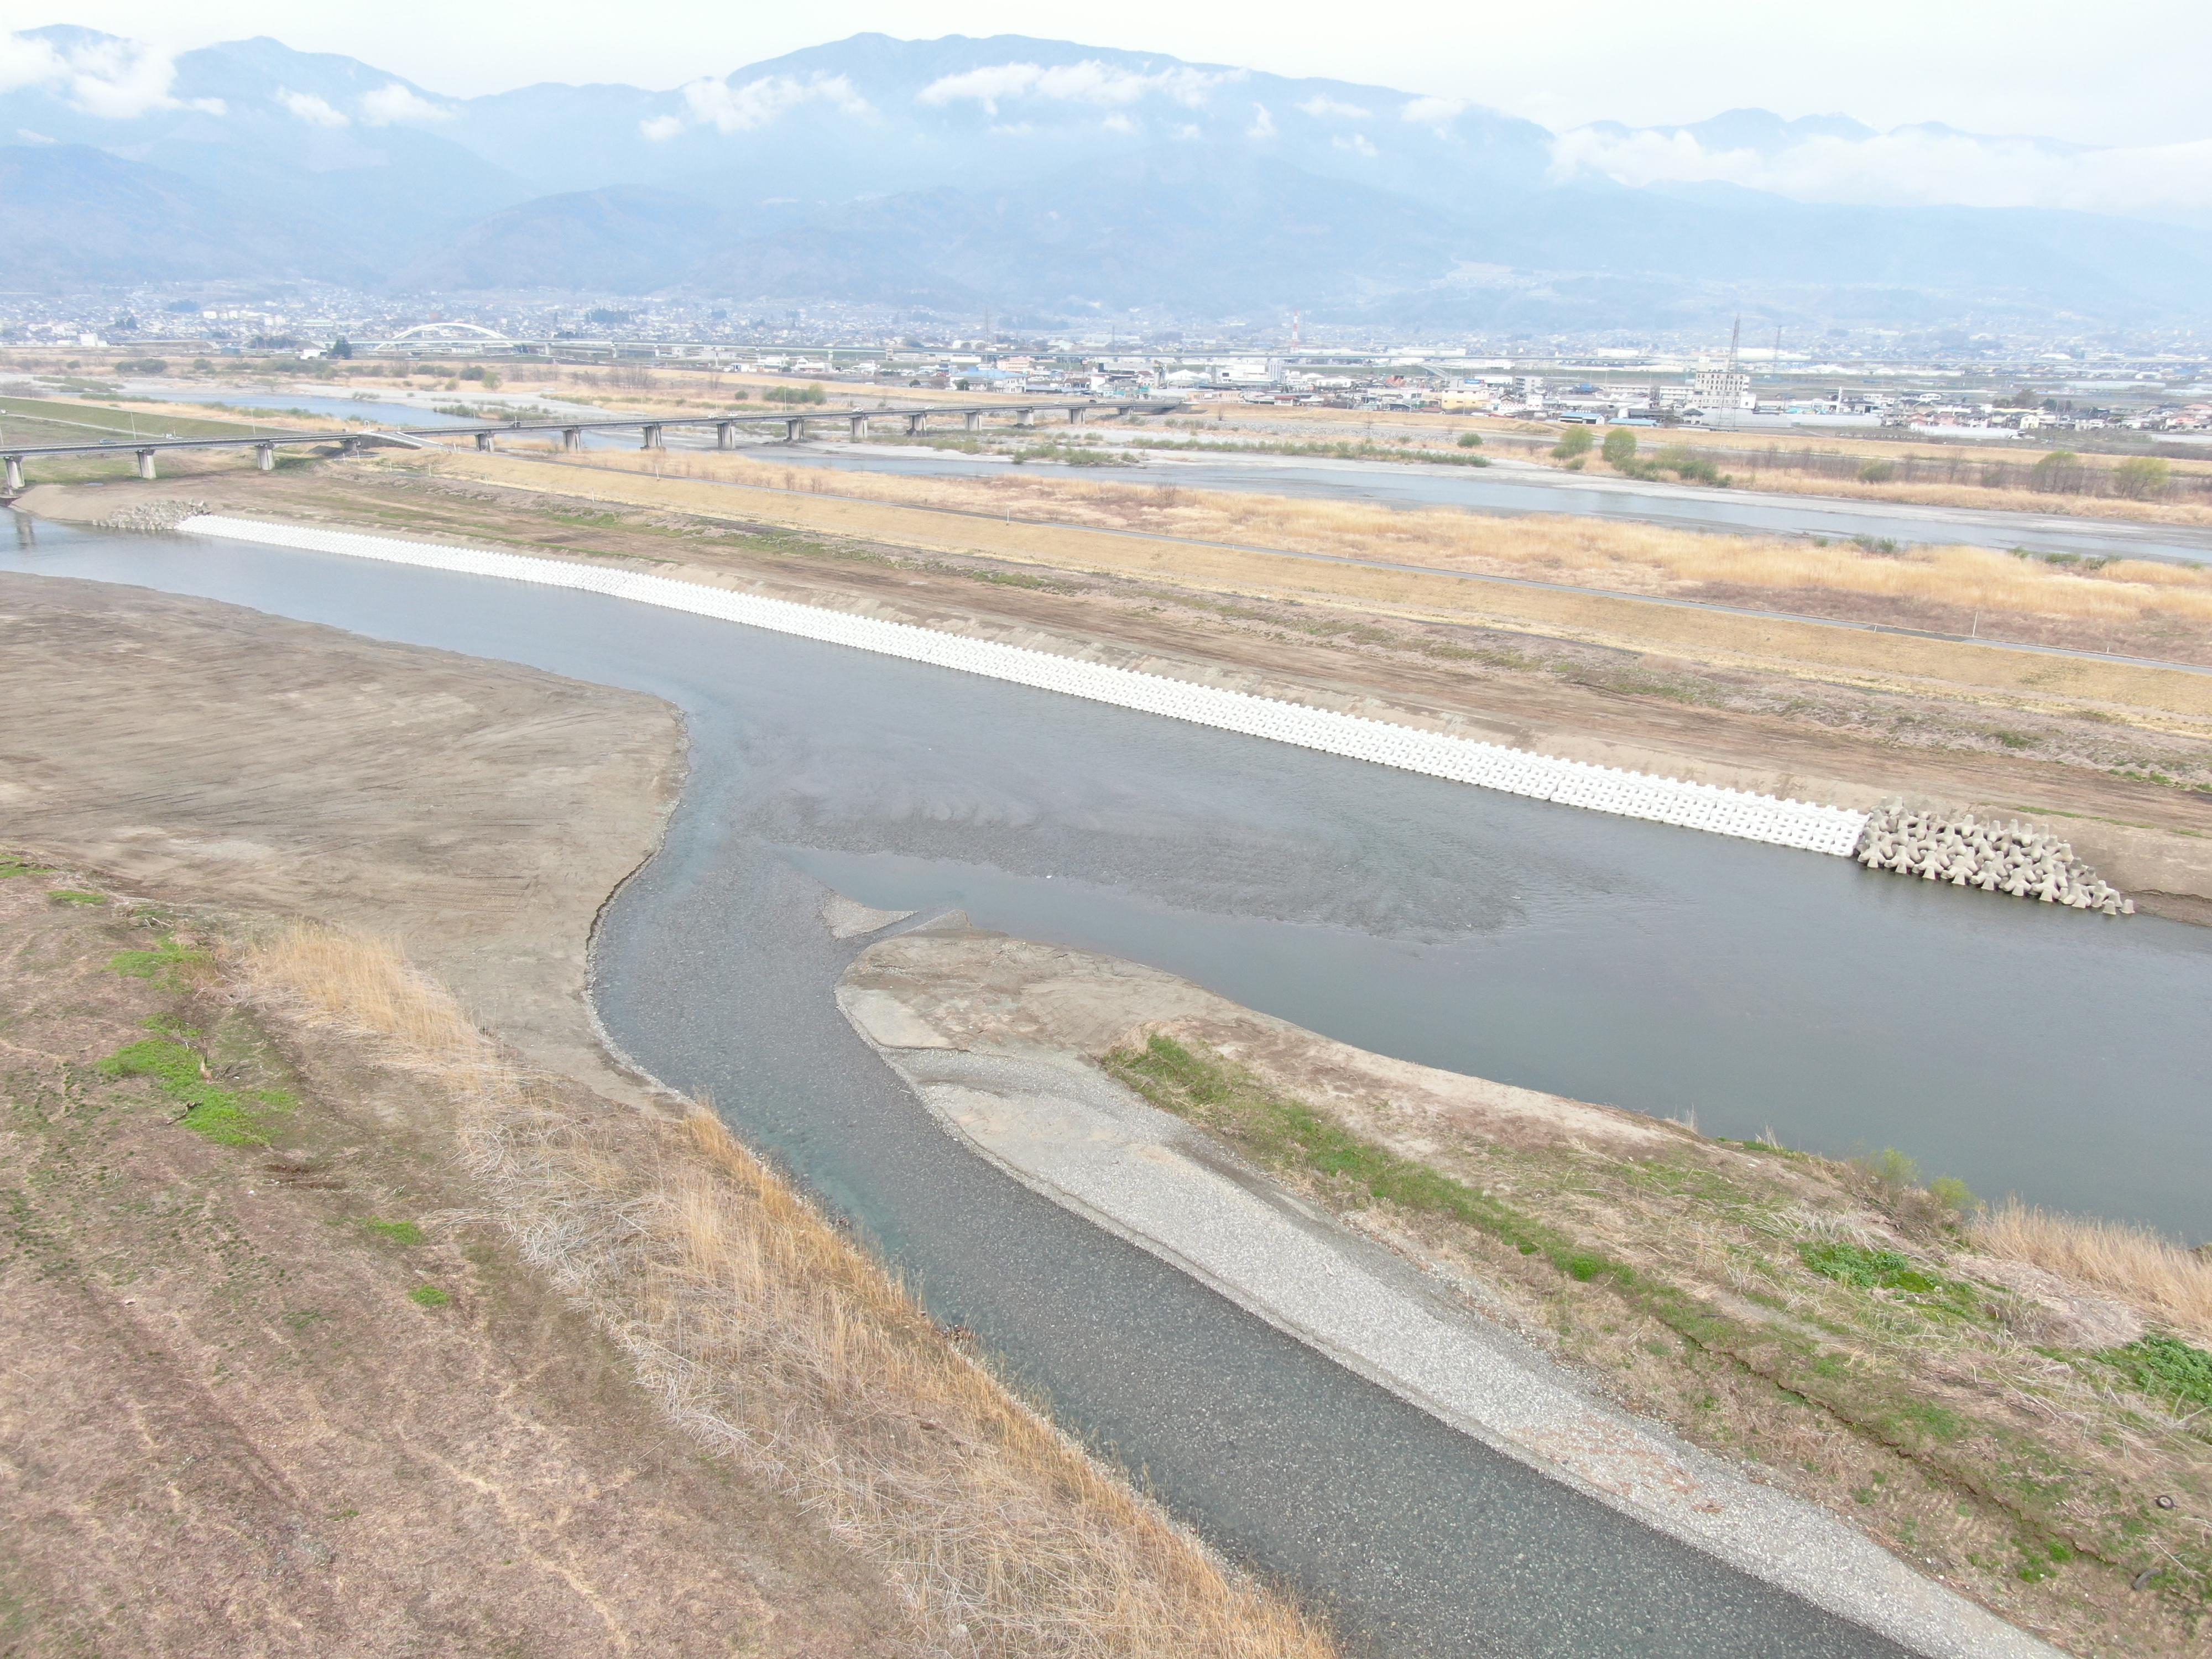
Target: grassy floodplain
[[1895, 1349]]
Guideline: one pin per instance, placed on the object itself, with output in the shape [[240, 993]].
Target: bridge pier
[[1075, 413], [348, 447], [484, 442], [264, 457], [860, 424], [916, 425], [1025, 417], [14, 473], [794, 428], [146, 464], [726, 435], [571, 437], [652, 439], [975, 420]]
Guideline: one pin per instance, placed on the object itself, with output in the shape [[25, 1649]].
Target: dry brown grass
[[1783, 481], [1765, 643], [1586, 552], [774, 1340], [2149, 1273]]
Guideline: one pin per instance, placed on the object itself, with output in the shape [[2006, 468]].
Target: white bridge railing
[[1780, 823]]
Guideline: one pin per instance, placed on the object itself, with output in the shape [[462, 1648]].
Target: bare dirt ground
[[2111, 777], [333, 1325], [319, 774], [229, 1424], [1847, 1334]]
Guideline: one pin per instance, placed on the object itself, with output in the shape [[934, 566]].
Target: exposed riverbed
[[1596, 957]]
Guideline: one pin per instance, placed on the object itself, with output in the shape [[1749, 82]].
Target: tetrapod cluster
[[1997, 858]]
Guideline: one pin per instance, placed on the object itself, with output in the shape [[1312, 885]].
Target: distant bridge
[[650, 427], [460, 337]]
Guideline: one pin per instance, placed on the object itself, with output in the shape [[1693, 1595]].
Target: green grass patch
[[1021, 579], [10, 868], [1855, 1264], [2165, 1367], [1334, 452], [122, 423], [1867, 1269], [1291, 1133], [1287, 1134], [1070, 456], [168, 964], [399, 1232], [428, 1296], [225, 1117], [76, 896]]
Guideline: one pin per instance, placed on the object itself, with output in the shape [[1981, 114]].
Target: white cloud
[[31, 137], [1263, 124], [1327, 109], [661, 128], [1119, 123], [27, 62], [758, 103], [1910, 166], [1359, 144], [396, 102], [1435, 113], [1086, 82], [114, 80], [315, 111]]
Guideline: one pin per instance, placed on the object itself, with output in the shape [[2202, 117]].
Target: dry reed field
[[1786, 479], [1583, 552], [772, 1339], [1405, 590], [2133, 1263]]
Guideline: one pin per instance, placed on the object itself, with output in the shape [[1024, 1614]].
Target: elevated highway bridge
[[651, 428]]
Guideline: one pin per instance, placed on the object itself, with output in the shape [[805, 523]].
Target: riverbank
[[1840, 1331], [1627, 688], [439, 1307]]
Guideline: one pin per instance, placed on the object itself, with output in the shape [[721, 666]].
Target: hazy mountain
[[77, 215], [1011, 171]]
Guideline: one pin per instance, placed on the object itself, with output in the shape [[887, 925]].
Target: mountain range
[[1032, 176]]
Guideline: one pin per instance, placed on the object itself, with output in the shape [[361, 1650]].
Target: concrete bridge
[[651, 428]]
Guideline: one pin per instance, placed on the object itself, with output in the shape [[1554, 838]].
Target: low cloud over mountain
[[1059, 179]]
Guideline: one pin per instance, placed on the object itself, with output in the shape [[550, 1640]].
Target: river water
[[1512, 489], [1508, 489], [2021, 1046]]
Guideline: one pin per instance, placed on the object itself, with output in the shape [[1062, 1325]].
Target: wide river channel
[[1508, 489], [2058, 1056]]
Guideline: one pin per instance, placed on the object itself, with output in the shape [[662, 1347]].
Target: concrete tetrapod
[[1968, 852]]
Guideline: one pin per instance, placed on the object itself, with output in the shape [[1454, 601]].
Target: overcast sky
[[2122, 72]]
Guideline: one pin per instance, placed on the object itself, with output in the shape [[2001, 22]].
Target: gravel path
[[1083, 1141]]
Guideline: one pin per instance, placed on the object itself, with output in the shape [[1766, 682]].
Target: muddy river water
[[2025, 1048]]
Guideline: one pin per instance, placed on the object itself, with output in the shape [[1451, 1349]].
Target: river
[[2025, 1048], [1508, 489]]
